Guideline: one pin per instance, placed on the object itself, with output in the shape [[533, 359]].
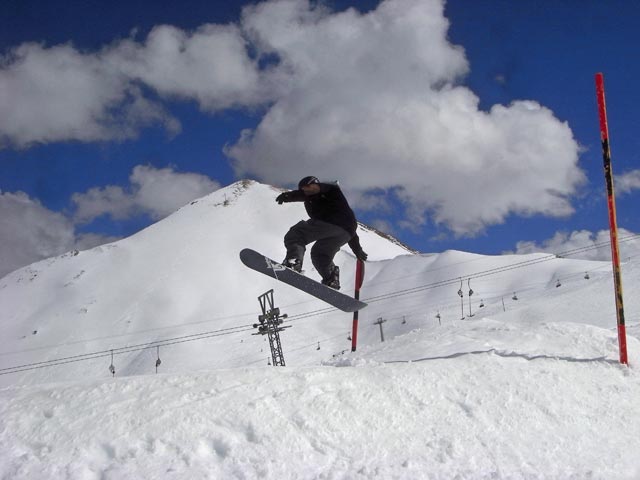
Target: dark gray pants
[[328, 237]]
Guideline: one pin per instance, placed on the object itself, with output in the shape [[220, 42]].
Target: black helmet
[[308, 181]]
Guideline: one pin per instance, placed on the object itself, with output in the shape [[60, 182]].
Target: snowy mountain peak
[[178, 276]]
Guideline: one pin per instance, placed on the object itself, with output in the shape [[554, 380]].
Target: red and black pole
[[613, 225], [359, 280]]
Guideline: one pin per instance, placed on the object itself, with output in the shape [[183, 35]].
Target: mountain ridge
[[167, 278]]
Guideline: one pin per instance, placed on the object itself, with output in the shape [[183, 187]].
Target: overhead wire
[[126, 349], [492, 271], [304, 315]]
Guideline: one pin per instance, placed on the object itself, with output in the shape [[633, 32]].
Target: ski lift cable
[[523, 264], [88, 340], [552, 255], [323, 311], [315, 343], [453, 281], [242, 328], [482, 274], [64, 361], [121, 350], [487, 299]]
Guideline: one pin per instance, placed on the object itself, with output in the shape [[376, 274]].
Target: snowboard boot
[[293, 263], [333, 280]]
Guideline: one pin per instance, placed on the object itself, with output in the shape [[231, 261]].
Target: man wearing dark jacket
[[332, 223]]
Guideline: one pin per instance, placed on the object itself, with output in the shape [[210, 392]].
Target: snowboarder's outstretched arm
[[291, 196], [354, 244]]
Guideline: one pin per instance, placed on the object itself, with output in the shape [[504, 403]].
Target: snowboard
[[265, 265]]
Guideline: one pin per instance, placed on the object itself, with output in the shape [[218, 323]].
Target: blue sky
[[112, 121]]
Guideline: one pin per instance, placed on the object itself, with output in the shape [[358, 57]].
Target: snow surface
[[521, 389]]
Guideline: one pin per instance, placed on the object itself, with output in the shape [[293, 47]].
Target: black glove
[[361, 254], [354, 243], [283, 197]]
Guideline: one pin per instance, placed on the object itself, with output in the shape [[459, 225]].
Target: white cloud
[[596, 246], [374, 100], [58, 93], [627, 182], [152, 191], [162, 191], [210, 65], [30, 232], [111, 200]]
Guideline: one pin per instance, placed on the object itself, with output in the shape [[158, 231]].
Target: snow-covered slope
[[525, 386], [475, 416], [179, 277]]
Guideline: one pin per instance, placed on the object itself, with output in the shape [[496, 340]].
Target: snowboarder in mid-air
[[332, 224]]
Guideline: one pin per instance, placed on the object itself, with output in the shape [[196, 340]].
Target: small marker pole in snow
[[461, 295], [359, 280], [613, 227], [158, 361], [112, 368], [470, 293]]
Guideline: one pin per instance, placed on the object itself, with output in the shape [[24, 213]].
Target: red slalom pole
[[613, 225], [359, 280]]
